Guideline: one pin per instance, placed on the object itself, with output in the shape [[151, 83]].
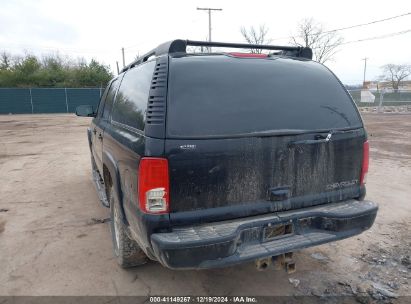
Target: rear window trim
[[283, 132]]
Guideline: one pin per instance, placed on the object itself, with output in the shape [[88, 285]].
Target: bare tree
[[255, 36], [323, 43], [396, 73], [5, 60]]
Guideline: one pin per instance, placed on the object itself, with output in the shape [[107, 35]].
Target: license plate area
[[277, 231]]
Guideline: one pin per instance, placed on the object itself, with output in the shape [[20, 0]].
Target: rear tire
[[126, 250], [93, 163]]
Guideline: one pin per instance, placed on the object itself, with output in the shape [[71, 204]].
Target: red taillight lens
[[365, 162], [153, 185], [248, 55]]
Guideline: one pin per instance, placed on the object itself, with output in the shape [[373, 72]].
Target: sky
[[99, 29]]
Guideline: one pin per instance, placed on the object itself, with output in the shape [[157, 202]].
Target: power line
[[371, 38], [368, 23], [354, 26], [379, 37]]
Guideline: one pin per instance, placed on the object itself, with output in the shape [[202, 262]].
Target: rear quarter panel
[[122, 152]]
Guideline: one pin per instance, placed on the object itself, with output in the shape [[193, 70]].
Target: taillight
[[365, 162], [248, 55], [153, 185]]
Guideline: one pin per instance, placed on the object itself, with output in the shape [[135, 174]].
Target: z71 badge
[[188, 147]]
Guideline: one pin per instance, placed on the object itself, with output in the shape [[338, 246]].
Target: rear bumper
[[231, 242]]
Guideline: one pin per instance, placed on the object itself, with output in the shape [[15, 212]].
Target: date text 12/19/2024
[[202, 299]]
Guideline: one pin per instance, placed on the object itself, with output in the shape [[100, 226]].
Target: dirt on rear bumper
[[231, 242]]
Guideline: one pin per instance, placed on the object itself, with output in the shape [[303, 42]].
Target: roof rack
[[179, 46]]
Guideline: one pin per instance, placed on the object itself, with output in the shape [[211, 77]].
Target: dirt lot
[[52, 242]]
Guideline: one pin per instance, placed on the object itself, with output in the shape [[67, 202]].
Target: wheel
[[93, 163], [126, 250]]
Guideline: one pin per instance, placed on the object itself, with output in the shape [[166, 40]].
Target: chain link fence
[[65, 100], [46, 100], [384, 100]]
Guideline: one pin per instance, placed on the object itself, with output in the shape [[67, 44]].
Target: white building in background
[[367, 96]]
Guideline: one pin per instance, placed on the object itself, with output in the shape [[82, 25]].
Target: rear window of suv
[[225, 96]]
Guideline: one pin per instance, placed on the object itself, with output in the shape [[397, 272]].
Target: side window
[[110, 98], [102, 100], [132, 97]]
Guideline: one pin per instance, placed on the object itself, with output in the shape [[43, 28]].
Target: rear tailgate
[[259, 175], [249, 136]]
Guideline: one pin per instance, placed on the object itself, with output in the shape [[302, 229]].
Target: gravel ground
[[54, 240]]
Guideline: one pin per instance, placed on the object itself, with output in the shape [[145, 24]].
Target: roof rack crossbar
[[243, 45], [179, 45]]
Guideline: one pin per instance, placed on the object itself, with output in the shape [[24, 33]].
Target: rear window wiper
[[319, 138]]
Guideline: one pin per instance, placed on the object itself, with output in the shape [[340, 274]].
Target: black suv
[[214, 159]]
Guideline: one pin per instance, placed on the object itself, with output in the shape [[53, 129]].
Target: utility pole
[[124, 60], [365, 69], [209, 20], [118, 70]]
